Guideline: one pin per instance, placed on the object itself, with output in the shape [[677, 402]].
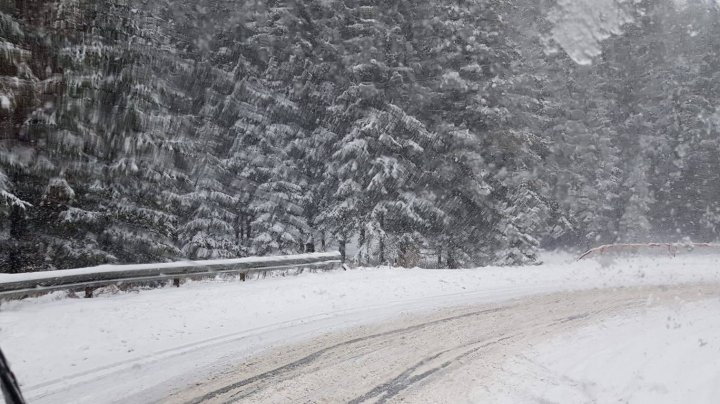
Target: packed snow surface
[[148, 343], [666, 355], [432, 358]]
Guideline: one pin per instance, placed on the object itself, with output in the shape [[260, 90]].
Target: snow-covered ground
[[148, 343], [447, 356], [666, 355]]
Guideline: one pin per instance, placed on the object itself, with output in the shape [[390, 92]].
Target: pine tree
[[28, 86]]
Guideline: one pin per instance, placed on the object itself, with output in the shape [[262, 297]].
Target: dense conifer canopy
[[155, 130]]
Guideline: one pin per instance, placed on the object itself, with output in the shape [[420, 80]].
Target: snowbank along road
[[229, 340]]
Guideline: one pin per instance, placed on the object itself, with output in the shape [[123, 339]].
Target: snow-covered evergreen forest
[[156, 130]]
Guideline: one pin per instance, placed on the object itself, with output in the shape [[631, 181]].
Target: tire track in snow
[[406, 379], [280, 371], [382, 364], [50, 387]]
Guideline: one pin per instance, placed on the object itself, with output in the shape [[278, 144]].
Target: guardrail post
[[176, 282], [89, 292]]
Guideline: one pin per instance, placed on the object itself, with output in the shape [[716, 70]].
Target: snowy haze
[[581, 25], [470, 137]]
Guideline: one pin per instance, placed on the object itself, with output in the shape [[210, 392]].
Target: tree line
[[146, 131]]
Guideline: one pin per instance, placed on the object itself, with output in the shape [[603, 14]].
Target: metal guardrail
[[87, 279], [671, 248]]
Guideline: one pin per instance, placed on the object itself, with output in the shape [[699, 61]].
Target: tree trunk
[[309, 246], [238, 229], [382, 249], [342, 242], [248, 222], [451, 261], [367, 250], [18, 229], [361, 241], [382, 239]]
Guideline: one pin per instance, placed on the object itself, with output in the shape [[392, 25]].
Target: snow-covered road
[[458, 355], [145, 345], [662, 354]]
